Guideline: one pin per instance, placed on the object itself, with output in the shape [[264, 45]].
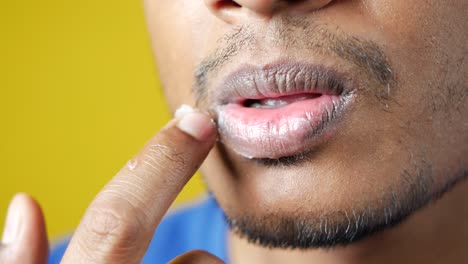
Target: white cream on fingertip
[[197, 125], [183, 110]]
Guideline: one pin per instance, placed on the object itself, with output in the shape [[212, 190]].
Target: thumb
[[196, 257], [24, 238]]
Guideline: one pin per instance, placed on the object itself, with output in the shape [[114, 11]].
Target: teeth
[[270, 103]]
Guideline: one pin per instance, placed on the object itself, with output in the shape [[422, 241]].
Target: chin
[[301, 203]]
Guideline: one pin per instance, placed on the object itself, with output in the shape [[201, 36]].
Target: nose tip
[[230, 10]]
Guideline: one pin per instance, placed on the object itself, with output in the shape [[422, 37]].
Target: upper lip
[[281, 79]]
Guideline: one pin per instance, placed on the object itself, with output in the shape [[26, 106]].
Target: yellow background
[[79, 96]]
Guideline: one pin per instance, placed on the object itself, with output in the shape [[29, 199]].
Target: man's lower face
[[334, 124]]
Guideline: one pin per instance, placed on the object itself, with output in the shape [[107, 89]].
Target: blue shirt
[[199, 226]]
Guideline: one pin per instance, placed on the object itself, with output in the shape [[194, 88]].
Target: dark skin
[[401, 155], [415, 135]]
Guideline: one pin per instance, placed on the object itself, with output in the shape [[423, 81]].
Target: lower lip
[[281, 132]]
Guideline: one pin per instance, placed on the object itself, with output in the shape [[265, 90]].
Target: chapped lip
[[288, 130], [281, 79]]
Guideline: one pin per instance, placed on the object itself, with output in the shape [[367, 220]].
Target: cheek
[[425, 44], [418, 33], [181, 33], [421, 40]]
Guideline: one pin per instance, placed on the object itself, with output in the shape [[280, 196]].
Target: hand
[[118, 225]]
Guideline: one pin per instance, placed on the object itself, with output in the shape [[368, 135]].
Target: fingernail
[[196, 124], [13, 222]]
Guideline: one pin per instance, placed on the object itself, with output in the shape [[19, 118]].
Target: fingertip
[[196, 124], [25, 233], [14, 220], [196, 257]]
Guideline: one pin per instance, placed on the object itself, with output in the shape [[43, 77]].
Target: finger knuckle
[[110, 228], [164, 154]]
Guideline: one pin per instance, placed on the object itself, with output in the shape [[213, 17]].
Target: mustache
[[298, 33]]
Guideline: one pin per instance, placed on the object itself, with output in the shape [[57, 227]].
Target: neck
[[438, 233]]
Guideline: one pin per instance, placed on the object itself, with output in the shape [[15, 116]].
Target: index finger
[[119, 224]]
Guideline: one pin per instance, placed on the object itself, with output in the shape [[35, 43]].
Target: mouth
[[280, 110], [278, 102]]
